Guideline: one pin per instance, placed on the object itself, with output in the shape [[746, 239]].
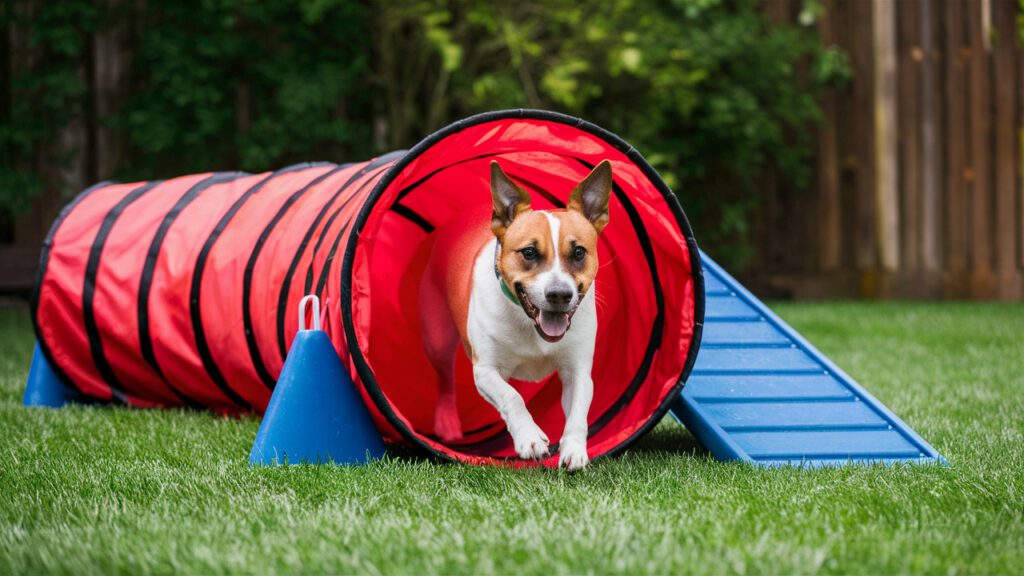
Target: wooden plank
[[6, 57], [861, 58], [1019, 126], [786, 415], [829, 223], [911, 63], [931, 134], [887, 211], [979, 152], [754, 361], [109, 78], [719, 388], [848, 144], [956, 52], [846, 444], [1005, 83], [780, 233]]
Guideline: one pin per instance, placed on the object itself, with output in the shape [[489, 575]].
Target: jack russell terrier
[[509, 295]]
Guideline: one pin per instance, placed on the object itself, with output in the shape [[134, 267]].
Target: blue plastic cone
[[315, 414], [44, 388]]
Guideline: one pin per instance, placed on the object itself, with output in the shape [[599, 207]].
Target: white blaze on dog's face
[[549, 258]]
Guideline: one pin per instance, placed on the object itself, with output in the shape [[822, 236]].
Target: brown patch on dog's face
[[526, 248], [577, 248], [549, 258]]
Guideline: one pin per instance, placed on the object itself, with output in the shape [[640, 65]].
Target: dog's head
[[548, 258]]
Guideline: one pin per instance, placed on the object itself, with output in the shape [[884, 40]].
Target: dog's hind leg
[[447, 424], [441, 341]]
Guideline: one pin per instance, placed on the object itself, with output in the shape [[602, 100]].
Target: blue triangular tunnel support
[[44, 388], [315, 414], [761, 393]]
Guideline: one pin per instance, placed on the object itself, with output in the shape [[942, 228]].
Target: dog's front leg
[[530, 441], [577, 392]]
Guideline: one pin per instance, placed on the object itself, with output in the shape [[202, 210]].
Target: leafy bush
[[211, 84], [41, 96], [709, 90], [251, 85]]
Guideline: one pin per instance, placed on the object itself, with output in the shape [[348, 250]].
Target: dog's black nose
[[559, 295]]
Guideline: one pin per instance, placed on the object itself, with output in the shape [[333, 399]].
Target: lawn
[[116, 490]]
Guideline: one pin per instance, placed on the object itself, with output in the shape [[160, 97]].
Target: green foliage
[[251, 85], [709, 90], [1020, 18], [211, 84], [39, 98]]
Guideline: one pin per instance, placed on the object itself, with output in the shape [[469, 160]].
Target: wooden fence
[[918, 192]]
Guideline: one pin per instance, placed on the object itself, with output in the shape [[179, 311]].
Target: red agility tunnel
[[183, 292]]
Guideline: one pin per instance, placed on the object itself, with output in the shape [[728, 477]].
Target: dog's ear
[[590, 197], [509, 200]]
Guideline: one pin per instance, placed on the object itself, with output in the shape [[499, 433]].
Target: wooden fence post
[[109, 78], [980, 157], [862, 60], [911, 65], [1019, 127], [1005, 82], [829, 223], [887, 212], [931, 135], [956, 53]]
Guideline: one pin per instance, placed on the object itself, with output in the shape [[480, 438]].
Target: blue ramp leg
[[44, 388], [761, 393]]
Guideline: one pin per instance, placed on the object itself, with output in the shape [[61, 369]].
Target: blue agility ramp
[[759, 392]]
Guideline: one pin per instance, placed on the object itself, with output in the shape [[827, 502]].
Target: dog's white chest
[[533, 371]]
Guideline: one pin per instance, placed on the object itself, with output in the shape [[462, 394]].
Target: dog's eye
[[530, 253], [579, 253]]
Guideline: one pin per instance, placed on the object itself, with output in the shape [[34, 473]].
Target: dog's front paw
[[573, 455], [531, 442]]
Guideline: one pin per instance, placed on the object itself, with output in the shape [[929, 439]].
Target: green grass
[[115, 490]]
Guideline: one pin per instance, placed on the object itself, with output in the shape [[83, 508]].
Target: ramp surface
[[761, 393]]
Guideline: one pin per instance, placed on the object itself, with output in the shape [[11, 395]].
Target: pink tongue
[[553, 324]]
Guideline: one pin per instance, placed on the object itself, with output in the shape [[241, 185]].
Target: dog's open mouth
[[550, 324]]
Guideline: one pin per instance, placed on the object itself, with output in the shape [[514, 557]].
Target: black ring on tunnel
[[482, 445], [696, 271]]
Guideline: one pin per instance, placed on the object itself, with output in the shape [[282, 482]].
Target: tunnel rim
[[366, 374]]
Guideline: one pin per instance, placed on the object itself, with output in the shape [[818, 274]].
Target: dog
[[519, 298]]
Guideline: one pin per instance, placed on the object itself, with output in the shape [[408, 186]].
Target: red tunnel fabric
[[182, 292]]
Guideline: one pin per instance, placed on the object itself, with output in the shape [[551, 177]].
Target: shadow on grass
[[669, 439]]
